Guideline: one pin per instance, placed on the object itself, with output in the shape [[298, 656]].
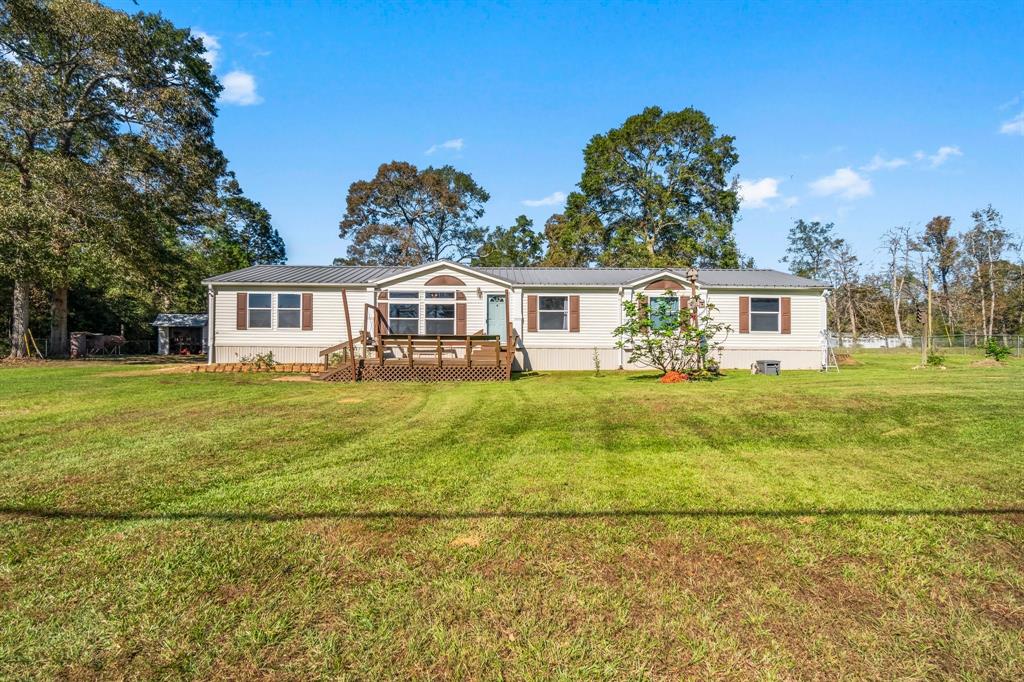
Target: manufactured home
[[555, 318]]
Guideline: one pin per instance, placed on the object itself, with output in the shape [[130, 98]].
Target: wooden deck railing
[[396, 356], [441, 350]]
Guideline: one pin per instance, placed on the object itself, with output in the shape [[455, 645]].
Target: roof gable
[[440, 267]]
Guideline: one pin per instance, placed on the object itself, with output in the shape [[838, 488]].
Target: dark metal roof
[[622, 276], [180, 320], [309, 274], [528, 276]]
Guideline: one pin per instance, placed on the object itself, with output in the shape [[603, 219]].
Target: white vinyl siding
[[599, 316], [328, 318], [806, 308]]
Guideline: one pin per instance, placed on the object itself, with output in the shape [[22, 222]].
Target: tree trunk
[[59, 340], [992, 287], [20, 319], [853, 316], [896, 314]]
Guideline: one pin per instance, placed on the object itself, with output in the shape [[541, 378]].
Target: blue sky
[[866, 114]]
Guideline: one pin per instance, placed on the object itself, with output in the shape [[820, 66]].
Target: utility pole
[[929, 308]]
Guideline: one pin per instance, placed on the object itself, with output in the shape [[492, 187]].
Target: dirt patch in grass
[[466, 541], [361, 536], [294, 377], [21, 362], [176, 369], [987, 362]]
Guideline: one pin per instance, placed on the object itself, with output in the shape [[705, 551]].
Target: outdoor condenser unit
[[771, 367]]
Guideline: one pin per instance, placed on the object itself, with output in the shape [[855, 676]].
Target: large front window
[[404, 315], [289, 311], [259, 311], [440, 312], [664, 311], [553, 313], [764, 314]]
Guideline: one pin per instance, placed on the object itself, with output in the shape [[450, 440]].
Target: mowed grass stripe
[[213, 526]]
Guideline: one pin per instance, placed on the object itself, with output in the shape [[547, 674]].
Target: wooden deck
[[395, 357], [414, 357]]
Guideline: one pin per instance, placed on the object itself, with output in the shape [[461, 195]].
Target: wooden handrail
[[443, 337], [348, 328], [360, 337]]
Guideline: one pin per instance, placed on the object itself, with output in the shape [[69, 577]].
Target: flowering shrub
[[681, 340]]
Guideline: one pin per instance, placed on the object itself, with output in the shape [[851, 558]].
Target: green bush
[[936, 360], [260, 362], [996, 350]]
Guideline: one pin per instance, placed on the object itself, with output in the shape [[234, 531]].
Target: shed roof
[[524, 276], [180, 320]]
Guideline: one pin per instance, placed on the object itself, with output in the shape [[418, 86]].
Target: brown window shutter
[[744, 314], [382, 306], [460, 319], [531, 313], [684, 304], [787, 315], [574, 313], [242, 310], [307, 312]]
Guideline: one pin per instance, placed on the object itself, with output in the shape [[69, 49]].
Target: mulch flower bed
[[281, 367]]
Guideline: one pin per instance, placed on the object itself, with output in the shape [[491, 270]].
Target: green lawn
[[862, 525]]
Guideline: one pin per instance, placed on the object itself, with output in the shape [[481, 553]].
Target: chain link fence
[[966, 343]]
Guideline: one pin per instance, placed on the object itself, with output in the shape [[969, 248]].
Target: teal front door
[[496, 315]]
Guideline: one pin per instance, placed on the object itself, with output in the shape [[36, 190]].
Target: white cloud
[[943, 155], [756, 193], [790, 202], [455, 145], [553, 199], [239, 88], [212, 45], [1012, 102], [880, 163], [1015, 126], [845, 182]]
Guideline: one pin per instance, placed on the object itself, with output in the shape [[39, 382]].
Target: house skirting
[[791, 358], [551, 359], [545, 359], [287, 354]]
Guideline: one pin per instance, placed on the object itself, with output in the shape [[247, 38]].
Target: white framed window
[[439, 312], [404, 312], [259, 307], [289, 311], [663, 311], [553, 313], [764, 314]]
